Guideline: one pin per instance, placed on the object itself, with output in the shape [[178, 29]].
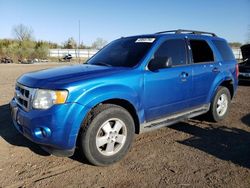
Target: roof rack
[[179, 31]]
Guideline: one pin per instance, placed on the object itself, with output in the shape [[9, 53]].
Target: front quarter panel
[[127, 86], [97, 95]]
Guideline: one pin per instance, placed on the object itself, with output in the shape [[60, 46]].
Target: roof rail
[[179, 31]]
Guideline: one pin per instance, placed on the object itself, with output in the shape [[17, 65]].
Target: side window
[[201, 51], [173, 50], [224, 49]]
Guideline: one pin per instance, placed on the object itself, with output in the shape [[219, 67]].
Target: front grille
[[23, 96]]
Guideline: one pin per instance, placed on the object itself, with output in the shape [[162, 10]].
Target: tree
[[235, 44], [83, 46], [22, 32], [26, 50], [99, 43], [41, 50], [8, 48], [70, 44], [52, 45]]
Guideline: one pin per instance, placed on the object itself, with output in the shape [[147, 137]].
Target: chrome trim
[[174, 118], [19, 95]]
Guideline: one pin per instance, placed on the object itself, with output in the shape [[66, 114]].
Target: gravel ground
[[193, 153]]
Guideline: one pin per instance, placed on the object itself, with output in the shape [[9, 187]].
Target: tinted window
[[224, 49], [201, 51], [174, 50], [124, 52]]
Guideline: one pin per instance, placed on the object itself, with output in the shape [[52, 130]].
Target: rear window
[[224, 49]]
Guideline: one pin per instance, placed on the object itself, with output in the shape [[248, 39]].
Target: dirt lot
[[189, 154]]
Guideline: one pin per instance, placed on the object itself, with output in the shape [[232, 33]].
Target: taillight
[[237, 69]]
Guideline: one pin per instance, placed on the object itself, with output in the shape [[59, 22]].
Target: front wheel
[[107, 134], [220, 104]]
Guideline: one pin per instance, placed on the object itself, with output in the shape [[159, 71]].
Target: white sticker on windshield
[[147, 40]]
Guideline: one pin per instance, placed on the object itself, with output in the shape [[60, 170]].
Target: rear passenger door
[[205, 69]]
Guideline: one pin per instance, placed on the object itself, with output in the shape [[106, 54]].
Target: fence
[[83, 53], [87, 53], [237, 53]]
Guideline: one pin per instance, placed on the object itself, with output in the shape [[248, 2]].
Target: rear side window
[[224, 49], [201, 51], [174, 49]]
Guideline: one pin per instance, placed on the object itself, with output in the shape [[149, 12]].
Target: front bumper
[[55, 129]]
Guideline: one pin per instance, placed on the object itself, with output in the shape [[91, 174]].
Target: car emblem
[[18, 94]]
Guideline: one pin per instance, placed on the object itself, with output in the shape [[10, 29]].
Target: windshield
[[124, 52]]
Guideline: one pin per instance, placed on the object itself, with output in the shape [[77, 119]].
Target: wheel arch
[[129, 107], [226, 82], [229, 85], [119, 102], [124, 104]]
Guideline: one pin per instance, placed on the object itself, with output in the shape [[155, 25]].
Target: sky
[[57, 20]]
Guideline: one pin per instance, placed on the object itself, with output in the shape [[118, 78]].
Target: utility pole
[[79, 40]]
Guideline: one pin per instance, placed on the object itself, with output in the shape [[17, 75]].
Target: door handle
[[184, 76], [215, 69]]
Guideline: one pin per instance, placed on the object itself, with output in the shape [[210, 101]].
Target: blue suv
[[134, 84]]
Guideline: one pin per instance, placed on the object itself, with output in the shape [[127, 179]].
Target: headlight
[[44, 99]]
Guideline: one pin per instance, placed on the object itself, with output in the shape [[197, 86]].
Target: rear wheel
[[107, 134], [220, 104]]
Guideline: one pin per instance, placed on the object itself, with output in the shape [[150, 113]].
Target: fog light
[[42, 132]]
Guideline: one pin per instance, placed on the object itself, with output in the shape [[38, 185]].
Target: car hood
[[245, 50], [56, 78]]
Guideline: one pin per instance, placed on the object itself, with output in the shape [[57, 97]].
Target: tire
[[220, 104], [107, 134]]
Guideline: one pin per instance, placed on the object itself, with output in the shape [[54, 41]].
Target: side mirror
[[159, 63]]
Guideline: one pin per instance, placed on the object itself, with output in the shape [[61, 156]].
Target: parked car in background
[[66, 58], [134, 84], [244, 66]]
